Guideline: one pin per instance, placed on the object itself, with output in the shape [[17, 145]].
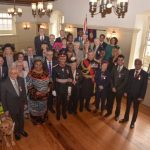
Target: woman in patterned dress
[[38, 84]]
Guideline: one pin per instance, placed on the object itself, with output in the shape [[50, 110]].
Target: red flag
[[85, 25]]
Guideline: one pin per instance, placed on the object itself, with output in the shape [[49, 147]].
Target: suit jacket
[[5, 61], [119, 79], [136, 87], [54, 63], [4, 76], [26, 58], [102, 80], [10, 100], [38, 43], [103, 46], [77, 39], [4, 73]]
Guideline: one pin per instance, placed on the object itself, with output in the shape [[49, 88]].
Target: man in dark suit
[[102, 43], [62, 36], [102, 79], [13, 96], [135, 91], [39, 40], [49, 63], [79, 37], [3, 72], [119, 78], [29, 57]]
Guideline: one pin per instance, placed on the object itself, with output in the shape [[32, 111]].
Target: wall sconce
[[43, 26], [26, 26], [110, 35]]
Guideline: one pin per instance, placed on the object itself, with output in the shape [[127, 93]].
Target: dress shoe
[[52, 110], [65, 116], [116, 118], [58, 118], [24, 133], [17, 137], [107, 114], [123, 121], [81, 109], [101, 113], [95, 111], [132, 126], [88, 109]]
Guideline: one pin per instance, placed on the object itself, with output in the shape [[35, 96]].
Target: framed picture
[[90, 32]]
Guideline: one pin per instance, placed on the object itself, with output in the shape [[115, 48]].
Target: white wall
[[75, 11]]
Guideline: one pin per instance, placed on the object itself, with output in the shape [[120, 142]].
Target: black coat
[[10, 100], [119, 79], [38, 43], [136, 87], [54, 63]]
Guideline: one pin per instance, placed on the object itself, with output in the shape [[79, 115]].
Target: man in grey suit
[[13, 96]]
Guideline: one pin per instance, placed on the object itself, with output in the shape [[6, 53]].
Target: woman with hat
[[38, 84]]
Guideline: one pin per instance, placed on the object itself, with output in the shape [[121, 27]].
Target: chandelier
[[120, 7], [42, 9], [15, 11]]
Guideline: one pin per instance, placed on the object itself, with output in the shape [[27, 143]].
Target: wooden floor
[[87, 131]]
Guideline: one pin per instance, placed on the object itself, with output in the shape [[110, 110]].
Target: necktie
[[30, 62], [16, 87], [50, 68], [119, 68], [136, 74]]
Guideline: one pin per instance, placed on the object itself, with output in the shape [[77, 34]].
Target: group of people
[[63, 74]]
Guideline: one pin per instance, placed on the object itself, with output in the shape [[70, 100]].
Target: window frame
[[9, 32]]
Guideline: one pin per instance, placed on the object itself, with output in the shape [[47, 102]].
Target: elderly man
[[135, 91], [13, 96]]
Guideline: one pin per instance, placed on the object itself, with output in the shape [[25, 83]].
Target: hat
[[8, 45], [62, 53]]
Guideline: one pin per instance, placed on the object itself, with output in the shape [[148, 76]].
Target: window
[[146, 58], [7, 24]]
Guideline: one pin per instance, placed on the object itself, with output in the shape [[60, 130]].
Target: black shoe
[[88, 109], [52, 110], [17, 137], [65, 116], [132, 126], [81, 109], [116, 118], [58, 117], [107, 114], [24, 133], [123, 121], [95, 111]]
